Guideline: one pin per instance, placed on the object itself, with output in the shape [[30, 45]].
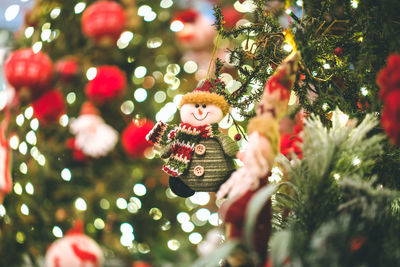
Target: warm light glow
[[79, 7], [25, 209], [99, 224], [57, 232], [203, 214], [177, 26], [11, 12], [14, 142], [29, 188], [144, 10], [182, 217], [36, 47], [29, 32], [55, 12], [20, 120], [31, 138], [121, 203], [364, 91], [80, 204], [71, 97], [91, 73], [173, 244], [150, 16], [126, 228], [195, 238], [23, 148], [356, 161], [140, 95], [166, 3], [66, 175], [139, 189], [34, 124], [17, 188], [200, 198], [23, 168], [28, 112], [64, 120], [187, 227], [140, 72]]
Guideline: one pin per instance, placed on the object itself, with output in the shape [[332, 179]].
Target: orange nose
[[200, 112]]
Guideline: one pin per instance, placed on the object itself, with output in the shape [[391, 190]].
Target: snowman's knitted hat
[[205, 94]]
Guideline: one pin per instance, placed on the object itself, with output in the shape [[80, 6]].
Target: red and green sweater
[[181, 141]]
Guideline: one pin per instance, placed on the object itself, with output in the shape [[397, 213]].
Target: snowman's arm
[[160, 134], [229, 146]]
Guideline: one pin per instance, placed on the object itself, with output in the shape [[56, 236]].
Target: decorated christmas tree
[[307, 90]]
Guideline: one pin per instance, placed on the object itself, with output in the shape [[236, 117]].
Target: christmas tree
[[78, 138]]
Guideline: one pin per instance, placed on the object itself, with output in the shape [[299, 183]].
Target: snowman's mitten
[[180, 188], [229, 146], [160, 134]]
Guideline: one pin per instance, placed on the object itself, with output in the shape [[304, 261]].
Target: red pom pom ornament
[[338, 51], [26, 69], [49, 107], [103, 21], [66, 68], [237, 137], [389, 77], [109, 83], [391, 116], [134, 138]]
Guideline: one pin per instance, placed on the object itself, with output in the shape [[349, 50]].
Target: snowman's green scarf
[[182, 139]]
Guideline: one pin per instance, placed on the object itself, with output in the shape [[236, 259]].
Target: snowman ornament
[[198, 156]]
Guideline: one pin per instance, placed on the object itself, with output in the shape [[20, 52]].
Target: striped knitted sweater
[[181, 140]]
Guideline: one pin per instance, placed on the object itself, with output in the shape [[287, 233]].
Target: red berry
[[238, 137], [338, 51]]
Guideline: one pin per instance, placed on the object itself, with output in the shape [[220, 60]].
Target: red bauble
[[109, 83], [231, 16], [238, 137], [66, 68], [24, 68], [49, 107], [391, 115], [103, 20], [134, 138], [389, 77], [338, 51]]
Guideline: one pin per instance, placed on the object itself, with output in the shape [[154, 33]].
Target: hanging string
[[238, 129], [213, 56]]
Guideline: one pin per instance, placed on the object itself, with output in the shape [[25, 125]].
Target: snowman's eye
[[204, 106], [197, 105]]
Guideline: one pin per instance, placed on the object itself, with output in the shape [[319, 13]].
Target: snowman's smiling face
[[200, 114]]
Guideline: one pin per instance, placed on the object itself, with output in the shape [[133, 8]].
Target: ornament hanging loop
[[208, 76]]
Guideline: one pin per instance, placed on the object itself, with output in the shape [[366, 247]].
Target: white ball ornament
[[74, 250]]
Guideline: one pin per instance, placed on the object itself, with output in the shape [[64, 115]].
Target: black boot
[[180, 188]]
